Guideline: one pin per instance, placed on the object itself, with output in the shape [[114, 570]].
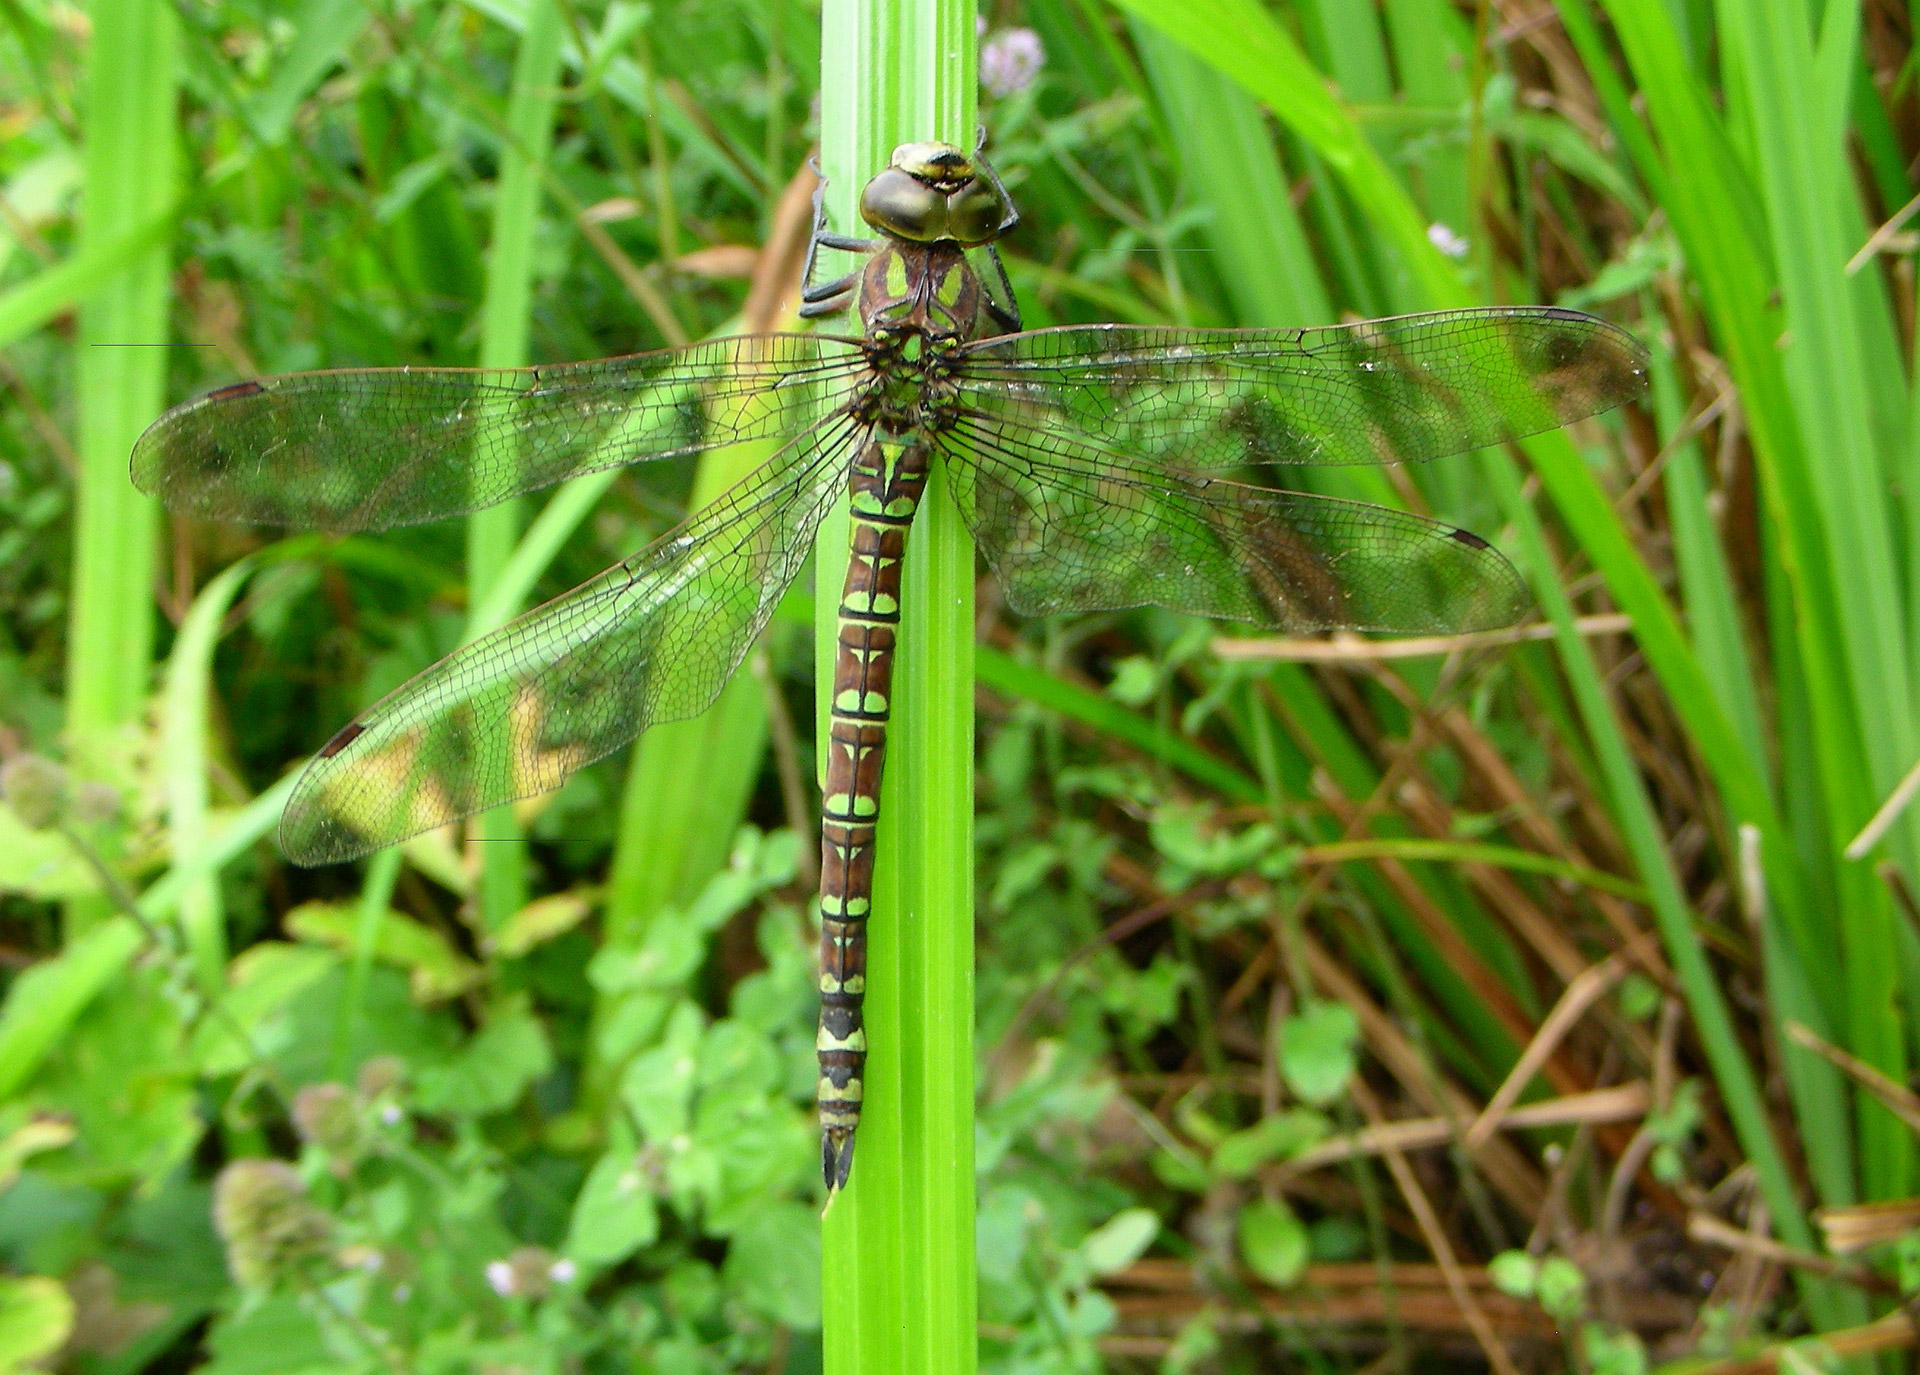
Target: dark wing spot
[[1566, 348], [233, 391], [349, 733], [1468, 538]]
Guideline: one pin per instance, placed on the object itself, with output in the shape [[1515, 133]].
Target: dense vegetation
[[1274, 935]]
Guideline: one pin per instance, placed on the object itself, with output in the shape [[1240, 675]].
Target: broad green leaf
[[658, 1085], [1318, 1046], [616, 1213], [1273, 1242], [1561, 1288], [540, 920], [492, 1070], [122, 1077], [435, 970], [40, 864], [773, 1265], [1278, 1137], [36, 1318], [279, 1337], [1120, 1240], [1611, 1352], [1515, 1273], [262, 981]]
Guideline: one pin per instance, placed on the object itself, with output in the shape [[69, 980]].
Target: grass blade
[[185, 699], [492, 533]]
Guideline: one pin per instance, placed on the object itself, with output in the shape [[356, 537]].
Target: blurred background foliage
[[1510, 1004]]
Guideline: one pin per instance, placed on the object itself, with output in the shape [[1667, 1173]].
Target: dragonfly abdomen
[[889, 475]]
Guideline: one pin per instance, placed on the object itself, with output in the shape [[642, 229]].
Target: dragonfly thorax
[[924, 290]]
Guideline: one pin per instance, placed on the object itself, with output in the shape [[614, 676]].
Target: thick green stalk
[[898, 1244], [492, 533], [121, 373]]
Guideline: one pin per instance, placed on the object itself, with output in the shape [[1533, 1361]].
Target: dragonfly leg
[[823, 239], [820, 291], [829, 305], [1002, 306]]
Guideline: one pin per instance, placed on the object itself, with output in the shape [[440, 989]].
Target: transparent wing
[[372, 448], [1068, 526], [514, 713], [1380, 391]]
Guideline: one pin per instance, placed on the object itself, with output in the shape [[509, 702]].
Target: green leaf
[[1120, 1240], [773, 1265], [540, 920], [658, 1085], [1135, 681], [254, 1019], [41, 864], [1318, 1048], [1273, 1242], [36, 1318], [492, 1070], [663, 961], [1561, 1288], [278, 1337], [616, 1213], [1278, 1137], [44, 1001], [1611, 1352], [122, 1077], [1515, 1273], [435, 970]]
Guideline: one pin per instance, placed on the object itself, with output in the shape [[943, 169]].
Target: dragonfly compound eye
[[975, 212], [900, 204]]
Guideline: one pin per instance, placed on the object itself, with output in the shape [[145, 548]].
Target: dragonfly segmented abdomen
[[888, 478]]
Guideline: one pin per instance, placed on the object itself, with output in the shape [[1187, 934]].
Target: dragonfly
[[1099, 467]]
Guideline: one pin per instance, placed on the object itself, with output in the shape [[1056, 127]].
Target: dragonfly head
[[933, 192]]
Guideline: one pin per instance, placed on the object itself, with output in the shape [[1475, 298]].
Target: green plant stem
[[492, 533], [129, 181], [898, 1251]]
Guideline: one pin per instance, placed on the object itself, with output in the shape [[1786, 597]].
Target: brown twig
[[1348, 648], [1894, 1332], [1622, 1103], [1437, 1241], [1705, 1227]]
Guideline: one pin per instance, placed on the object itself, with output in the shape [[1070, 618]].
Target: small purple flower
[[500, 1277], [1448, 242], [1009, 61], [563, 1272]]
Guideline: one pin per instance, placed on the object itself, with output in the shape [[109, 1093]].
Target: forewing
[[513, 714], [367, 449], [1068, 526], [1379, 391]]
